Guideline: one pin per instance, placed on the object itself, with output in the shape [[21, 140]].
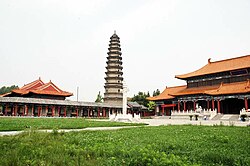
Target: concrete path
[[150, 122], [67, 130]]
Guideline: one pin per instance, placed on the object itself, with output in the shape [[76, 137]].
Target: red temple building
[[223, 86], [39, 89]]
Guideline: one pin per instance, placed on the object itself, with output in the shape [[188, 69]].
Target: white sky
[[66, 41]]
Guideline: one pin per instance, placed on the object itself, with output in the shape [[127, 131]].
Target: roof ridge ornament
[[209, 61]]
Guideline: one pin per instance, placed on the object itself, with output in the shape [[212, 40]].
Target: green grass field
[[12, 124], [163, 145]]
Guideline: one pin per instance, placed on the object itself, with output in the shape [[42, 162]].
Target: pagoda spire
[[114, 75]]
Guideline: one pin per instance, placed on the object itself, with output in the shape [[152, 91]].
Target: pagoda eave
[[114, 67], [114, 52], [114, 78]]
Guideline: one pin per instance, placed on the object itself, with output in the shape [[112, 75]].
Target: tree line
[[7, 89]]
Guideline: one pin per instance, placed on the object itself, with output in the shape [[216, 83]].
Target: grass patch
[[163, 145], [17, 124]]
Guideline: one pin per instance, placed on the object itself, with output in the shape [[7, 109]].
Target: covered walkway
[[18, 106]]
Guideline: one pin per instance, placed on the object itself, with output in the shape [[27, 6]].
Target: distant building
[[222, 85], [114, 79], [39, 89]]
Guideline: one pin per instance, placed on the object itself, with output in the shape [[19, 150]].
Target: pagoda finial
[[115, 32]]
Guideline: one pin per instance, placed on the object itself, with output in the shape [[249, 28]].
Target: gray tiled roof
[[56, 102]]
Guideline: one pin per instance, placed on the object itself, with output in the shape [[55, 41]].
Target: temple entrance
[[232, 106], [167, 108]]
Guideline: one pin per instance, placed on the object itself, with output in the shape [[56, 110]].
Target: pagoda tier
[[114, 72], [114, 52], [113, 85], [114, 67], [114, 62], [114, 78], [113, 97], [115, 44], [115, 58], [114, 48]]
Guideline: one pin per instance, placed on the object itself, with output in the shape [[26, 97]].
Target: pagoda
[[114, 75]]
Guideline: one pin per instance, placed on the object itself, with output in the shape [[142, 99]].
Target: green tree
[[157, 92], [99, 98], [151, 105], [5, 89], [141, 98]]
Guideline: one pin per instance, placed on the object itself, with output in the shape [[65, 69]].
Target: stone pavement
[[150, 122]]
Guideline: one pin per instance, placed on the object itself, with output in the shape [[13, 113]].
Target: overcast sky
[[66, 41]]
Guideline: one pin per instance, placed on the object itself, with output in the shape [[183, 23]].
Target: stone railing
[[199, 113], [124, 117], [244, 111], [137, 117], [244, 114]]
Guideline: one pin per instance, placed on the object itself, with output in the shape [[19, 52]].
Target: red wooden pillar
[[58, 111], [208, 104], [212, 104], [76, 111], [64, 111], [46, 110], [98, 112], [194, 105], [39, 111], [15, 110], [185, 109], [53, 111], [246, 103], [178, 106], [32, 110], [26, 109], [162, 112], [103, 112], [6, 109], [218, 105]]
